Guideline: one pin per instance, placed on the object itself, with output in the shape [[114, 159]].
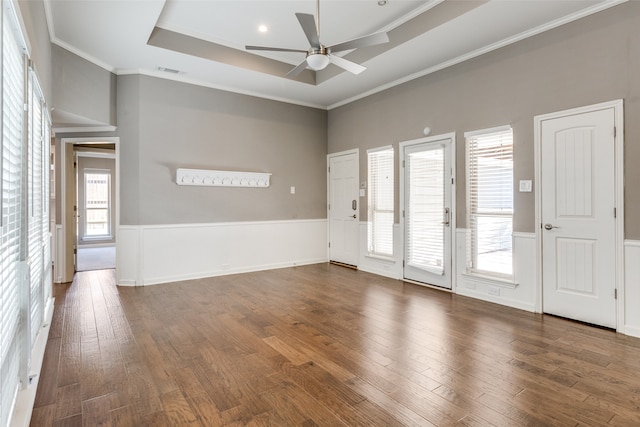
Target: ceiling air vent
[[169, 70]]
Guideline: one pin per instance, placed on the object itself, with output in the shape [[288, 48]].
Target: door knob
[[549, 226], [354, 215]]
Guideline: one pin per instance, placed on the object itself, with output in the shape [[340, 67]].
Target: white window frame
[[380, 240], [109, 234], [472, 212]]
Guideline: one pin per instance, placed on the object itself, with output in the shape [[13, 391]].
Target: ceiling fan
[[319, 55]]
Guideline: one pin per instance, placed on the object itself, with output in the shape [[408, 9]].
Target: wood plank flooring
[[322, 345]]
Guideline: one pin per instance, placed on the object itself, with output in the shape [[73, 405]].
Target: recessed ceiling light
[[263, 28]]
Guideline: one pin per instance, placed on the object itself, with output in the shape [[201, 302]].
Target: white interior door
[[427, 182], [343, 208], [577, 164]]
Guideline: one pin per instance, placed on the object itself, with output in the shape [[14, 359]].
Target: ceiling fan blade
[[308, 24], [370, 40], [347, 65], [294, 72], [275, 49]]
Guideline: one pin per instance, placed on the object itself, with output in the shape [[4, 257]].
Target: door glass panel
[[425, 213]]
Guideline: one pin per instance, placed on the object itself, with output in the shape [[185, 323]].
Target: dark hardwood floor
[[322, 345]]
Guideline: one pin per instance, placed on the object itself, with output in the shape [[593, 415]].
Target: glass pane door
[[427, 213]]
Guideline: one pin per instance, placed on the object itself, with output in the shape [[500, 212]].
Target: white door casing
[[343, 207], [65, 257], [579, 213], [428, 214]]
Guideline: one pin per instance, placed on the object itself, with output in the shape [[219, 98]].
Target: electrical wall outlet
[[494, 290]]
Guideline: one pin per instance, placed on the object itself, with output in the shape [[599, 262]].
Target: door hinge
[[329, 169], [75, 251], [615, 131], [329, 244], [451, 181], [615, 294], [75, 208], [329, 206], [403, 163], [403, 214], [615, 213], [402, 263]]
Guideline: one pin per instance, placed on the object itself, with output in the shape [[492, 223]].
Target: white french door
[[427, 173], [343, 208], [578, 215]]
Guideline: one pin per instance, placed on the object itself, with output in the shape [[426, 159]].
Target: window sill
[[388, 259], [490, 280]]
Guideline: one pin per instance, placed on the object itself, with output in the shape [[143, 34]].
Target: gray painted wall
[[35, 23], [165, 125], [592, 60], [83, 89]]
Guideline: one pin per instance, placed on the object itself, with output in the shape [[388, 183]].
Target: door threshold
[[342, 264], [427, 285]]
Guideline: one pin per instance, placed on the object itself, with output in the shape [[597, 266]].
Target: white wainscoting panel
[[632, 288], [167, 253], [58, 254], [520, 294], [128, 255], [392, 267]]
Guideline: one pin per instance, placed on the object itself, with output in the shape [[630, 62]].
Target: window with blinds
[[97, 190], [490, 201], [25, 268], [380, 202], [35, 225], [11, 231]]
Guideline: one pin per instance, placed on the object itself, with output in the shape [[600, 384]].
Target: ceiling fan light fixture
[[317, 61]]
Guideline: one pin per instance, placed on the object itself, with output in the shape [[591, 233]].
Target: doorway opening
[[89, 205], [96, 206]]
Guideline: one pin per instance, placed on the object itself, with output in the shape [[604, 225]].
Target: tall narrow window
[[380, 201], [490, 200], [97, 187], [13, 333]]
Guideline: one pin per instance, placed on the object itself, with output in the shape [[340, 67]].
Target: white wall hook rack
[[214, 178]]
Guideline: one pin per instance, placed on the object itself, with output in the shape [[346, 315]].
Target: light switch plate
[[525, 186]]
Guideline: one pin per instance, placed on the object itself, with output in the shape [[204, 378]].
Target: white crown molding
[[486, 49]]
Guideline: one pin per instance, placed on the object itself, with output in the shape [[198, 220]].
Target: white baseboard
[[631, 288], [153, 254]]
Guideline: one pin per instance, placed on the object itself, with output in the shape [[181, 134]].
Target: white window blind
[[12, 214], [490, 200], [425, 237], [380, 201], [35, 242]]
